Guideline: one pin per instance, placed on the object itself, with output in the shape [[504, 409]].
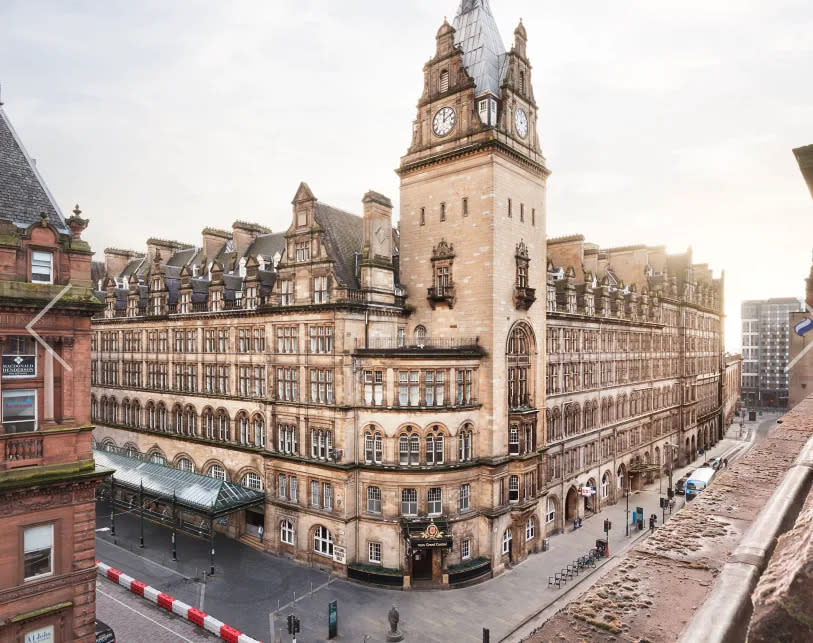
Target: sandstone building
[[801, 373], [413, 409], [47, 474]]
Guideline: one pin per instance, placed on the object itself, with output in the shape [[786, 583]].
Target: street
[[249, 586], [136, 620]]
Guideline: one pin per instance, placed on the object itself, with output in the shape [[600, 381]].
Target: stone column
[[48, 385], [68, 402]]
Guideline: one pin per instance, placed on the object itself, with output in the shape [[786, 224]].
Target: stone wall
[[656, 589]]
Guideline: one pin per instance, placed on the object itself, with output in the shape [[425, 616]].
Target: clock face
[[444, 121], [521, 122]]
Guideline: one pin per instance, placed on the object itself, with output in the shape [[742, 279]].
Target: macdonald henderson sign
[[19, 365]]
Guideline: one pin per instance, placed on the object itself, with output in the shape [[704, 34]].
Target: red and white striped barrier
[[209, 623]]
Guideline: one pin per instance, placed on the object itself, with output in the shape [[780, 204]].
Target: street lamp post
[[628, 508]]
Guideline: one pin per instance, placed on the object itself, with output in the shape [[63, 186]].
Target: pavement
[[255, 591], [138, 620]]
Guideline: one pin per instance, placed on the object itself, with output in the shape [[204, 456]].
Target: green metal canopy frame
[[192, 491]]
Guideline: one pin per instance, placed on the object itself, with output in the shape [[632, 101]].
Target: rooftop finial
[[76, 210]]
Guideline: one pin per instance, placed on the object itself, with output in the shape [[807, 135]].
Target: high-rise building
[[47, 473], [765, 350], [412, 408]]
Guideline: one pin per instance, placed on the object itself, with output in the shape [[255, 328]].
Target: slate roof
[[267, 245], [344, 235], [23, 193], [476, 34]]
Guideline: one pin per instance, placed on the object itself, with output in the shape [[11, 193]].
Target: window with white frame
[[374, 387], [321, 443], [327, 496], [282, 486], [315, 497], [287, 292], [550, 511], [465, 549], [286, 339], [292, 489], [322, 541], [513, 488], [253, 481], [320, 290], [434, 449], [321, 339], [506, 541], [409, 449], [374, 553], [464, 442], [217, 472], [373, 447], [409, 502], [530, 528], [286, 532], [286, 438], [434, 499], [374, 500], [465, 494], [38, 546], [42, 268], [303, 251]]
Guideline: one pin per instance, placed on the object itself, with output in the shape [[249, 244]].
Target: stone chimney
[[116, 260], [164, 247], [377, 224], [213, 240], [243, 234]]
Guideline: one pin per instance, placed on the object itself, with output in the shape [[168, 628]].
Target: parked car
[[680, 485], [104, 633], [713, 463]]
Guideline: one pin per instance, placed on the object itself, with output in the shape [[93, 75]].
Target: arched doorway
[[648, 461], [572, 504], [552, 513], [693, 451], [621, 478], [605, 488], [591, 502]]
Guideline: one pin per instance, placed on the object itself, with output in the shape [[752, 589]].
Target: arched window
[[518, 354], [109, 446], [136, 414], [420, 336], [605, 485], [550, 510], [374, 500], [409, 448], [286, 532], [513, 489], [444, 81], [373, 447], [244, 427], [191, 423], [185, 464], [434, 448], [217, 472], [222, 420], [619, 478], [162, 417], [150, 415], [177, 418], [530, 528], [259, 431], [464, 444], [506, 541], [252, 481], [208, 420], [94, 408], [156, 457], [322, 541]]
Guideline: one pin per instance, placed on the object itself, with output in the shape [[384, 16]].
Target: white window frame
[[409, 506], [465, 549], [287, 534], [434, 501], [550, 511], [50, 256], [323, 541], [507, 538], [530, 528], [465, 497], [42, 530], [374, 552]]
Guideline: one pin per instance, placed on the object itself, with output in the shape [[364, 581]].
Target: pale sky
[[662, 123]]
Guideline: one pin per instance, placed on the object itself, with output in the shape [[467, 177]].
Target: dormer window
[[303, 251], [487, 110], [444, 81], [42, 268]]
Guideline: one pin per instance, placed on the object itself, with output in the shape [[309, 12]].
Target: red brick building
[[47, 474]]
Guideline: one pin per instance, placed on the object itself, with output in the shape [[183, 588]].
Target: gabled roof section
[[23, 193], [344, 235], [477, 36]]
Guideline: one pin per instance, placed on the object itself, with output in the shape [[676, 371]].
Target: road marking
[[113, 598], [103, 529]]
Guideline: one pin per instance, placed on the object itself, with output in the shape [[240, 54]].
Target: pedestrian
[[575, 524], [260, 531], [725, 463], [580, 523]]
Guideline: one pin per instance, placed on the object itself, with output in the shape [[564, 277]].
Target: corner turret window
[[42, 269], [444, 81]]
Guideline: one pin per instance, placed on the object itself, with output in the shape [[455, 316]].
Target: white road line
[[113, 598]]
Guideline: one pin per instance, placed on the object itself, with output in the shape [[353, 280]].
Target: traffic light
[[664, 503], [670, 492], [607, 525], [291, 623]]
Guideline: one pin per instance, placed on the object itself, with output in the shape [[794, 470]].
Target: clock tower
[[473, 248]]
